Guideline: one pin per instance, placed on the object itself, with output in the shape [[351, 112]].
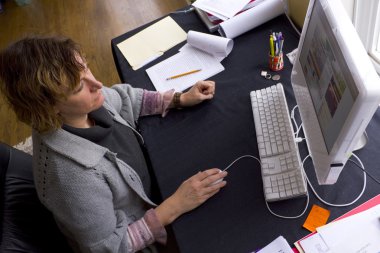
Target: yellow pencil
[[183, 74]]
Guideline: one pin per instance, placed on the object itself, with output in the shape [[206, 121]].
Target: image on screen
[[328, 78]]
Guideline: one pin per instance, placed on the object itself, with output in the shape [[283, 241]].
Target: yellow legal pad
[[152, 42]]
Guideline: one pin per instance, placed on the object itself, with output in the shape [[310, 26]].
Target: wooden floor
[[92, 23]]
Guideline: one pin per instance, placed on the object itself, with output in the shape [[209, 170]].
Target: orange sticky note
[[317, 217]]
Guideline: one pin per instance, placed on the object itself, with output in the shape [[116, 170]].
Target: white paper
[[251, 18], [203, 51], [180, 63], [292, 56], [190, 49], [279, 245], [359, 244], [357, 233], [314, 244], [223, 9], [215, 45]]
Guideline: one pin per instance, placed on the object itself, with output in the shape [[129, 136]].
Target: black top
[[118, 138]]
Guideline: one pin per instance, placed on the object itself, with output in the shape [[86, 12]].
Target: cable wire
[[266, 202], [291, 217], [299, 127], [337, 205], [241, 157], [368, 174]]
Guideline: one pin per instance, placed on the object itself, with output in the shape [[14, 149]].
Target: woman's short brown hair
[[36, 72]]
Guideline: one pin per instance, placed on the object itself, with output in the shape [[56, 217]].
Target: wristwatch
[[176, 99]]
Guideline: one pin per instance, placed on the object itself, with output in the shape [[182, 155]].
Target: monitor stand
[[362, 141]]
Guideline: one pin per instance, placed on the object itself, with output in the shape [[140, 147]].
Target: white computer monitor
[[336, 87]]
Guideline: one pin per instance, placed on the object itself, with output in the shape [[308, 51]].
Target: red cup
[[276, 63]]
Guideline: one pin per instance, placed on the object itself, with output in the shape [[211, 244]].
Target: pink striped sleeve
[[146, 231], [155, 102]]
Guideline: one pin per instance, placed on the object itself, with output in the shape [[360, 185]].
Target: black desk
[[216, 132]]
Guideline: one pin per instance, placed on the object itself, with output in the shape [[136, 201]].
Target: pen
[[281, 44], [277, 47], [183, 74]]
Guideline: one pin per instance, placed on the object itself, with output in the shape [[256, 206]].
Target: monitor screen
[[331, 86], [336, 87]]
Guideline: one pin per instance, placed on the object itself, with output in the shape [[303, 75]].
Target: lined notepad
[[180, 63], [202, 52]]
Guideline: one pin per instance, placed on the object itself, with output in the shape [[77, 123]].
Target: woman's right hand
[[191, 193]]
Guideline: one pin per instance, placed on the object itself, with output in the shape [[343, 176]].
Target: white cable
[[292, 112], [298, 131], [293, 118], [241, 157], [266, 203], [337, 205], [290, 217], [308, 181]]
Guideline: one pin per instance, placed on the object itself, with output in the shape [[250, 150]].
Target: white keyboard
[[281, 164]]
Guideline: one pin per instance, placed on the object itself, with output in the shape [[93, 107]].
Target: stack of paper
[[223, 12], [212, 22], [358, 231], [201, 57], [223, 9], [215, 20]]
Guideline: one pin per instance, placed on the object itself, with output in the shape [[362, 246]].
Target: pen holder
[[276, 62]]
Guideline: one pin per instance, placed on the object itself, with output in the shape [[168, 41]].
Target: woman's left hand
[[202, 90]]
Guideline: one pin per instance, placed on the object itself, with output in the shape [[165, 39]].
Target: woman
[[88, 165]]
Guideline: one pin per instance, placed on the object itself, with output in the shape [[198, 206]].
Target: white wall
[[298, 9], [349, 5]]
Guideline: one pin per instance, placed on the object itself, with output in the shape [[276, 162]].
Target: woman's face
[[86, 98]]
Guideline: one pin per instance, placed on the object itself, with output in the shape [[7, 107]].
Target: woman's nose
[[95, 85]]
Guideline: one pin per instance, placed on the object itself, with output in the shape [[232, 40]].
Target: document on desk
[[314, 244], [200, 57], [358, 233], [183, 62], [152, 42], [279, 245]]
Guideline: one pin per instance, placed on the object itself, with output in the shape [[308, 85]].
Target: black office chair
[[26, 225]]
